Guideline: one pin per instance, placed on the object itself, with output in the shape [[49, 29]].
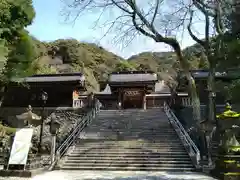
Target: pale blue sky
[[49, 25]]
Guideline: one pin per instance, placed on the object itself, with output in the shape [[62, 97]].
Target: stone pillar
[[53, 148]]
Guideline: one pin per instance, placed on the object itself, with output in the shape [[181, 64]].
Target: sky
[[49, 25]]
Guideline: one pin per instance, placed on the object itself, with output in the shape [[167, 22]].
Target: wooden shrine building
[[132, 89], [201, 77], [22, 92]]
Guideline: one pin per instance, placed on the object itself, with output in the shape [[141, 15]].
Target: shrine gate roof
[[52, 78], [221, 75], [132, 76]]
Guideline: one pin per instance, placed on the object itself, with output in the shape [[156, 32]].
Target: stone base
[[227, 176], [231, 177], [20, 173]]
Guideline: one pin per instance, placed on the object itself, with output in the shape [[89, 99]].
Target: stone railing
[[189, 145]]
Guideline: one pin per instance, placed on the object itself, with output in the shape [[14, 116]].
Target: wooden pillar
[[153, 102], [144, 100], [120, 99]]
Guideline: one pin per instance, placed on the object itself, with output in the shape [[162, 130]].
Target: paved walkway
[[114, 175]]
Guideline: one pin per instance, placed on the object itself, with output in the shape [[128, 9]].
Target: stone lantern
[[29, 117], [54, 127], [227, 163]]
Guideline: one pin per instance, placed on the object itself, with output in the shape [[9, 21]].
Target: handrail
[[190, 146], [62, 149]]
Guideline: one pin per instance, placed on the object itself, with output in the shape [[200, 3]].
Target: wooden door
[[132, 99]]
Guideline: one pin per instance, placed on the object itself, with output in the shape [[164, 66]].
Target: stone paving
[[114, 175]]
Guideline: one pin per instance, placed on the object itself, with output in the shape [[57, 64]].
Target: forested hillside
[[71, 55], [96, 63], [23, 55]]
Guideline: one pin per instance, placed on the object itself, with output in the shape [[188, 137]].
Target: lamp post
[[54, 126], [44, 98]]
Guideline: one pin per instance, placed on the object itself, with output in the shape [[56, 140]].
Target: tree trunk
[[194, 98], [211, 94], [192, 86], [2, 91]]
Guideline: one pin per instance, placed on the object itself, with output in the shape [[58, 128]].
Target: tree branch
[[141, 29], [199, 41], [217, 19], [155, 12], [120, 7]]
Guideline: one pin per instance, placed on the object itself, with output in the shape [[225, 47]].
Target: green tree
[[15, 16], [67, 49], [21, 56], [125, 66], [3, 54]]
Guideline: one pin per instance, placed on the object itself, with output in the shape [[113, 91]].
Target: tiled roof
[[204, 74], [133, 77], [51, 78], [133, 72]]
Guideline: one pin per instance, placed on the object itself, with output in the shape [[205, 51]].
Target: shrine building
[[201, 77], [133, 89], [122, 90], [22, 92]]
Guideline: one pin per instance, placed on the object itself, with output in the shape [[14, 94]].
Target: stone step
[[129, 131], [125, 137], [132, 114], [106, 150], [133, 161], [137, 112], [146, 147], [143, 155], [122, 138], [152, 145], [125, 164], [134, 125], [160, 115], [109, 130], [176, 140], [137, 158], [134, 118], [154, 134], [96, 127], [129, 168], [173, 135]]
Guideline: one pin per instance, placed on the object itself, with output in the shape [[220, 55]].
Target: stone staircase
[[128, 140]]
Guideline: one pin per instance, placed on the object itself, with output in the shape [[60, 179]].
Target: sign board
[[21, 146], [132, 93]]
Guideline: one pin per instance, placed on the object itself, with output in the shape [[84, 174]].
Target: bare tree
[[213, 12], [157, 19]]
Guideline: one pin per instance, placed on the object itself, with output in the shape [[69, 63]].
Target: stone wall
[[8, 114], [186, 118]]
